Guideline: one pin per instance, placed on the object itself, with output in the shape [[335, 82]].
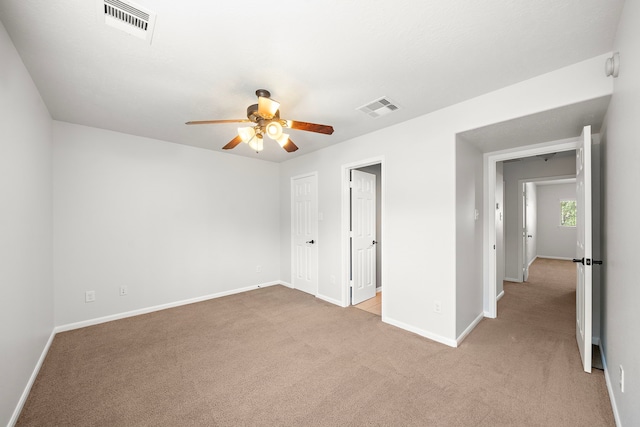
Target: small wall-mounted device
[[612, 65]]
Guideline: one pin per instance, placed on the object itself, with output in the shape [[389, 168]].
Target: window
[[567, 213]]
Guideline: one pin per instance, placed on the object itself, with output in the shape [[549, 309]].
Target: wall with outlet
[[620, 205], [469, 226], [143, 222], [420, 206], [26, 304]]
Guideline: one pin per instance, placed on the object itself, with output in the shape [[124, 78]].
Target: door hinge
[[350, 184], [351, 234]]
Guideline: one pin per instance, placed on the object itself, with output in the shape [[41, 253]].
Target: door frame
[[489, 288], [521, 252], [292, 243], [345, 173]]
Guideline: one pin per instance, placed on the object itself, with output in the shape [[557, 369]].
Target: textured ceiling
[[320, 59]]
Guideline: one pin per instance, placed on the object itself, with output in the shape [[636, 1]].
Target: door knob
[[581, 260], [310, 241], [374, 242]]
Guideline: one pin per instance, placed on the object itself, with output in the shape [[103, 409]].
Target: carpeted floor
[[276, 356]]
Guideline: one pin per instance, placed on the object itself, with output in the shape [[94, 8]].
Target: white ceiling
[[320, 59]]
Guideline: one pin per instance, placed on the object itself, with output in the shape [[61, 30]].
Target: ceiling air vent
[[128, 17], [379, 107]]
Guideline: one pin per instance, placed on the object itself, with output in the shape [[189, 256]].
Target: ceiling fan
[[266, 116]]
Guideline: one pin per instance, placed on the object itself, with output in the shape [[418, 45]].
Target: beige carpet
[[276, 356]]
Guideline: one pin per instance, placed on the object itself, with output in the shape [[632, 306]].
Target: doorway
[[359, 245], [490, 287]]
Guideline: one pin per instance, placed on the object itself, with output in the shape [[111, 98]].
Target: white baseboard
[[500, 295], [470, 328], [288, 285], [118, 316], [555, 257], [531, 262], [511, 279], [32, 379], [595, 341], [421, 332], [607, 379], [331, 300]]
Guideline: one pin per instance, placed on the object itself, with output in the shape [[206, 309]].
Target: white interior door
[[525, 267], [363, 236], [584, 248], [304, 224]]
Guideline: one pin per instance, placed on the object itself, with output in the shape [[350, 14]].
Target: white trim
[[500, 295], [511, 279], [378, 289], [330, 300], [118, 316], [345, 178], [595, 341], [421, 332], [470, 328], [555, 257], [287, 284], [531, 262], [291, 233], [607, 379], [32, 379], [489, 229]]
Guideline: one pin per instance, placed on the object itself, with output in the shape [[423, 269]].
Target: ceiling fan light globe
[[256, 144], [274, 130], [267, 107], [246, 133], [284, 138]]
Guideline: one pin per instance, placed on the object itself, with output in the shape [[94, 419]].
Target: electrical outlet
[[621, 379], [437, 306], [123, 291], [258, 269], [90, 296]]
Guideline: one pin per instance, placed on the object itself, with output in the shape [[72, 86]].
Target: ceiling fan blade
[[267, 107], [232, 144], [311, 127], [213, 122], [290, 147]]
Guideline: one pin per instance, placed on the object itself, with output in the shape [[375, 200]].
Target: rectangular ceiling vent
[[379, 107], [128, 17]]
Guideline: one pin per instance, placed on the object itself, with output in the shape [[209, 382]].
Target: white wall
[[168, 221], [620, 154], [555, 241], [419, 252], [26, 305], [531, 227], [513, 173], [469, 201]]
